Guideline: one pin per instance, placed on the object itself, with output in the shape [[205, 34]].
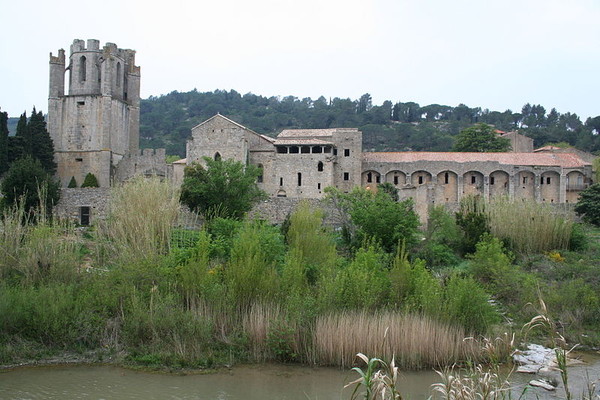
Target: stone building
[[300, 163], [94, 119]]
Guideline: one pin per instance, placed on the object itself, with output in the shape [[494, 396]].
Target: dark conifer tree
[[42, 147], [3, 142]]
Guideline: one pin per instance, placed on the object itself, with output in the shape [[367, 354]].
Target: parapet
[[59, 59]]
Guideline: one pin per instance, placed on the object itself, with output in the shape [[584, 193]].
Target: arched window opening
[[320, 166], [217, 156], [118, 74], [99, 69], [82, 69]]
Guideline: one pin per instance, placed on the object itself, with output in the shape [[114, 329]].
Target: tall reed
[[530, 227], [141, 217], [414, 341]]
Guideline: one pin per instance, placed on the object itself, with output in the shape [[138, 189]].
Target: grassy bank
[[139, 289]]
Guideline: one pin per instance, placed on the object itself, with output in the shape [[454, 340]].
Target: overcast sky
[[487, 53]]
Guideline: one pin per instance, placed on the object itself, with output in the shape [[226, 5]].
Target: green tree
[[480, 138], [588, 205], [72, 183], [376, 216], [89, 181], [224, 188], [41, 146], [25, 180], [3, 142]]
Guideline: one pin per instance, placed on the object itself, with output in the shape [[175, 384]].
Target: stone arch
[[320, 166], [498, 182], [370, 179], [525, 185], [473, 183], [420, 178], [447, 187], [281, 193], [396, 178], [575, 184], [550, 187]]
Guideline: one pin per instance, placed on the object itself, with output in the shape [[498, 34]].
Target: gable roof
[[263, 137], [565, 160], [310, 133]]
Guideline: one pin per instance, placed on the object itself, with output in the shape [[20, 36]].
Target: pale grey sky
[[487, 53]]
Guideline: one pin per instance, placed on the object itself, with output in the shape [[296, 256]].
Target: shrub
[[72, 183], [90, 181]]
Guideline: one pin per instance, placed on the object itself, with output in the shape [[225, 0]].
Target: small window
[[81, 103], [547, 180], [318, 186], [335, 152], [420, 179], [305, 149], [118, 74], [369, 177], [346, 152], [294, 150], [473, 179], [280, 181], [327, 149], [317, 149], [378, 178], [346, 176], [282, 150], [491, 180], [524, 179], [320, 166], [542, 180], [299, 179], [79, 159], [217, 156], [82, 69], [446, 178], [395, 179]]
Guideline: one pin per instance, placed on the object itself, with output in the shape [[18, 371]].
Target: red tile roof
[[566, 160], [312, 132], [291, 142]]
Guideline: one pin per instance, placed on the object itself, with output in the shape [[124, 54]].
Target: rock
[[543, 384], [528, 369]]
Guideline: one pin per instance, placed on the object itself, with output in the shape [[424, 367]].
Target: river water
[[271, 382]]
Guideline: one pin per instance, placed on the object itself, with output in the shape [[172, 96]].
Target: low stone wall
[[276, 209], [71, 201]]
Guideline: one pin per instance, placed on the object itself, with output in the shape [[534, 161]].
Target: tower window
[[320, 166], [346, 176], [346, 152], [82, 71], [118, 74], [299, 179], [280, 181]]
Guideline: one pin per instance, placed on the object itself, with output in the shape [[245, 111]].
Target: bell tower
[[96, 123]]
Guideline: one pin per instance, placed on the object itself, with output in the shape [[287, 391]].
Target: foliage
[[442, 238], [376, 216], [222, 188], [90, 181], [480, 138], [588, 204], [473, 222], [166, 120], [3, 142], [26, 181], [529, 227], [72, 183]]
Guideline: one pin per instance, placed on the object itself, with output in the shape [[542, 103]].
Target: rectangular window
[[524, 179], [547, 180], [420, 180], [378, 179], [319, 186], [84, 216], [280, 181], [346, 176], [395, 179], [542, 180], [491, 180], [79, 159], [473, 179], [299, 179], [335, 152], [346, 152]]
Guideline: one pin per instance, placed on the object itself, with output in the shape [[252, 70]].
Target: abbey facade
[[95, 129]]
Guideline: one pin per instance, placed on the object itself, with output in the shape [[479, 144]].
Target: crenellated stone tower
[[96, 123]]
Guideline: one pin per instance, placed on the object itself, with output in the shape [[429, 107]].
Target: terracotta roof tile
[[290, 141], [566, 160], [312, 132]]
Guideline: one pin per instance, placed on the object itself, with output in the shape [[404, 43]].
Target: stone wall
[[71, 201]]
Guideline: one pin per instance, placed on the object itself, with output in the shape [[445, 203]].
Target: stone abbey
[[95, 129]]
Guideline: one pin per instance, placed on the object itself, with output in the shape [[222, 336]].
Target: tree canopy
[[25, 181], [221, 188], [376, 216], [589, 204], [480, 138]]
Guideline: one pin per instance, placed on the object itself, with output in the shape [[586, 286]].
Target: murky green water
[[262, 382]]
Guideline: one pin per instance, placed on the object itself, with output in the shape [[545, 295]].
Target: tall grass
[[141, 217], [414, 341], [530, 227]]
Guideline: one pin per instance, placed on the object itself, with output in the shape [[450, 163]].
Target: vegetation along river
[[277, 382]]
